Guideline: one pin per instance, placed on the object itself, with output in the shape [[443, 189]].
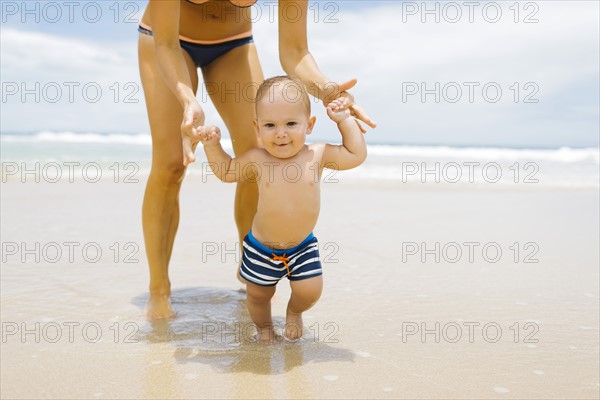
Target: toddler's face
[[283, 124]]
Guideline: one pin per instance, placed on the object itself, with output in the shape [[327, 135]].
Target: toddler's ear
[[255, 122], [311, 124]]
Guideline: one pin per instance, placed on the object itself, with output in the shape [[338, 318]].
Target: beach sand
[[73, 325]]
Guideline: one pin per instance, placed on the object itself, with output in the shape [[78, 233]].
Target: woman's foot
[[293, 326], [159, 307]]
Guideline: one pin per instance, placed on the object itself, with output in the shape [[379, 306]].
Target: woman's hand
[[191, 128], [334, 91]]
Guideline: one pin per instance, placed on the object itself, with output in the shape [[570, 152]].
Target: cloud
[[64, 83], [35, 55], [390, 51]]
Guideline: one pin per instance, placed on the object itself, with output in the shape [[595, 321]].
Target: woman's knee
[[168, 172]]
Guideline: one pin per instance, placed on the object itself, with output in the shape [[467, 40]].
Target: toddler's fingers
[[345, 103], [206, 136], [339, 105], [200, 134], [212, 129]]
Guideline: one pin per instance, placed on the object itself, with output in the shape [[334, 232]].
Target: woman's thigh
[[231, 81], [164, 111]]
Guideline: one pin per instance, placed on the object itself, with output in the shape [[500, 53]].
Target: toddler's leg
[[305, 294], [258, 300]]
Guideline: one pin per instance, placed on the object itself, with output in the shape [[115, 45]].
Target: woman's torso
[[210, 20]]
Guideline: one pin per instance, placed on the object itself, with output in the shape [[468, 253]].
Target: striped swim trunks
[[265, 267]]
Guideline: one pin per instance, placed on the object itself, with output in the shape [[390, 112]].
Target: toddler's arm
[[222, 165], [353, 150]]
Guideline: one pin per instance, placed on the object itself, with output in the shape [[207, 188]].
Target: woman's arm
[[294, 56], [165, 28], [174, 71], [296, 59]]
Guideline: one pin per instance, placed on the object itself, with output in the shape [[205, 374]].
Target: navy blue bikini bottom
[[204, 54]]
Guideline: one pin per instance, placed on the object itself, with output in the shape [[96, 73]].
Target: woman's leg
[[232, 81], [160, 210]]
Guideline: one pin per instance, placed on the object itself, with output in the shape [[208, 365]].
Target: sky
[[510, 74]]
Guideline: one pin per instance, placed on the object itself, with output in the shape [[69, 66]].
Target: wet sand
[[73, 326]]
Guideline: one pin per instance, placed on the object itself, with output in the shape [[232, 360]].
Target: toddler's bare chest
[[288, 176]]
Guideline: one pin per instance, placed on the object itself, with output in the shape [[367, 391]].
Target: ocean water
[[66, 155]]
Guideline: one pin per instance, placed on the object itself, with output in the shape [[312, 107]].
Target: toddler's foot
[[293, 326], [159, 307], [265, 335]]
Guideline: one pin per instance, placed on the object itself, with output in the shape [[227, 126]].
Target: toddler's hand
[[210, 135], [338, 109]]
